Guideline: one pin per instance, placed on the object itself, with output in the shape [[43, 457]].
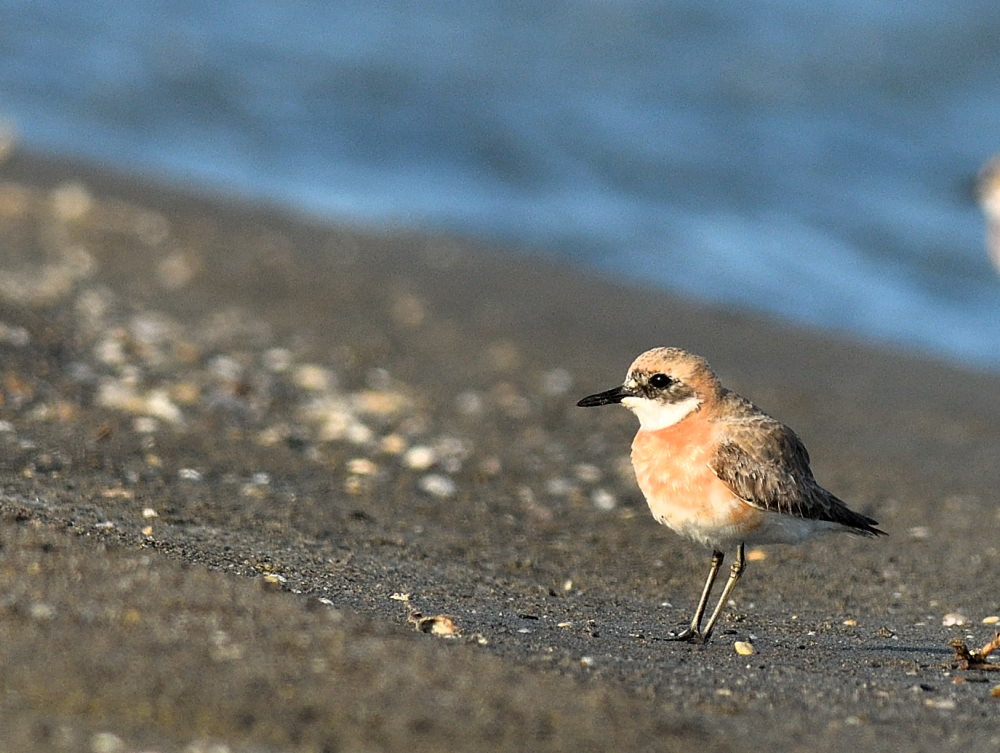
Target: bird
[[988, 194], [718, 470]]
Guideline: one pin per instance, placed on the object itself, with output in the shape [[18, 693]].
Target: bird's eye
[[660, 381]]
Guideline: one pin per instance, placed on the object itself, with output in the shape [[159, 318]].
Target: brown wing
[[765, 464]]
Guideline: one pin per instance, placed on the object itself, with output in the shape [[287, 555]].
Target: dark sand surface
[[240, 448]]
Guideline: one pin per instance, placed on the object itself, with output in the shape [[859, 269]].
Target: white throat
[[654, 415]]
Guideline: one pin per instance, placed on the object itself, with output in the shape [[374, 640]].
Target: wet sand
[[240, 449]]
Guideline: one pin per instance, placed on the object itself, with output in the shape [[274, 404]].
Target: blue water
[[810, 160]]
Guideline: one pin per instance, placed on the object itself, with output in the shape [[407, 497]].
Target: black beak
[[608, 397]]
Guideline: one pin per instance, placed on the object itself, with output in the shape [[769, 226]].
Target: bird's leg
[[693, 631], [735, 571]]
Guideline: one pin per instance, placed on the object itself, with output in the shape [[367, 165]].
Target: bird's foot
[[688, 635]]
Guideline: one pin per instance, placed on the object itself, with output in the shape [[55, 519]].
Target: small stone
[[362, 467], [145, 424], [70, 201], [437, 485], [313, 378], [756, 555], [588, 473], [42, 611], [991, 620], [277, 360], [106, 742], [945, 704], [559, 487], [954, 619], [420, 457], [176, 270], [603, 499], [743, 648], [379, 402], [393, 444]]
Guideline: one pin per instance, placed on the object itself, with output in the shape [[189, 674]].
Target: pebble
[[106, 742], [991, 620], [954, 619], [602, 499], [945, 704], [70, 201], [437, 485], [277, 360], [743, 648], [361, 467], [379, 402], [587, 473], [393, 444], [420, 457], [313, 378], [559, 487]]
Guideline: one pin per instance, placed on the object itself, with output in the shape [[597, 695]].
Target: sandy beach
[[275, 485]]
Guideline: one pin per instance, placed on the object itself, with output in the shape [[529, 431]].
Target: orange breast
[[683, 492]]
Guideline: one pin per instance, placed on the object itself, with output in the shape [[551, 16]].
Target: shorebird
[[988, 193], [718, 470]]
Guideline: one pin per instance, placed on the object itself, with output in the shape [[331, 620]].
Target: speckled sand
[[271, 485]]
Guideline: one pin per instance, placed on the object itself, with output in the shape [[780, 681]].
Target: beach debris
[[978, 659], [441, 625], [991, 620], [588, 473], [743, 648]]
